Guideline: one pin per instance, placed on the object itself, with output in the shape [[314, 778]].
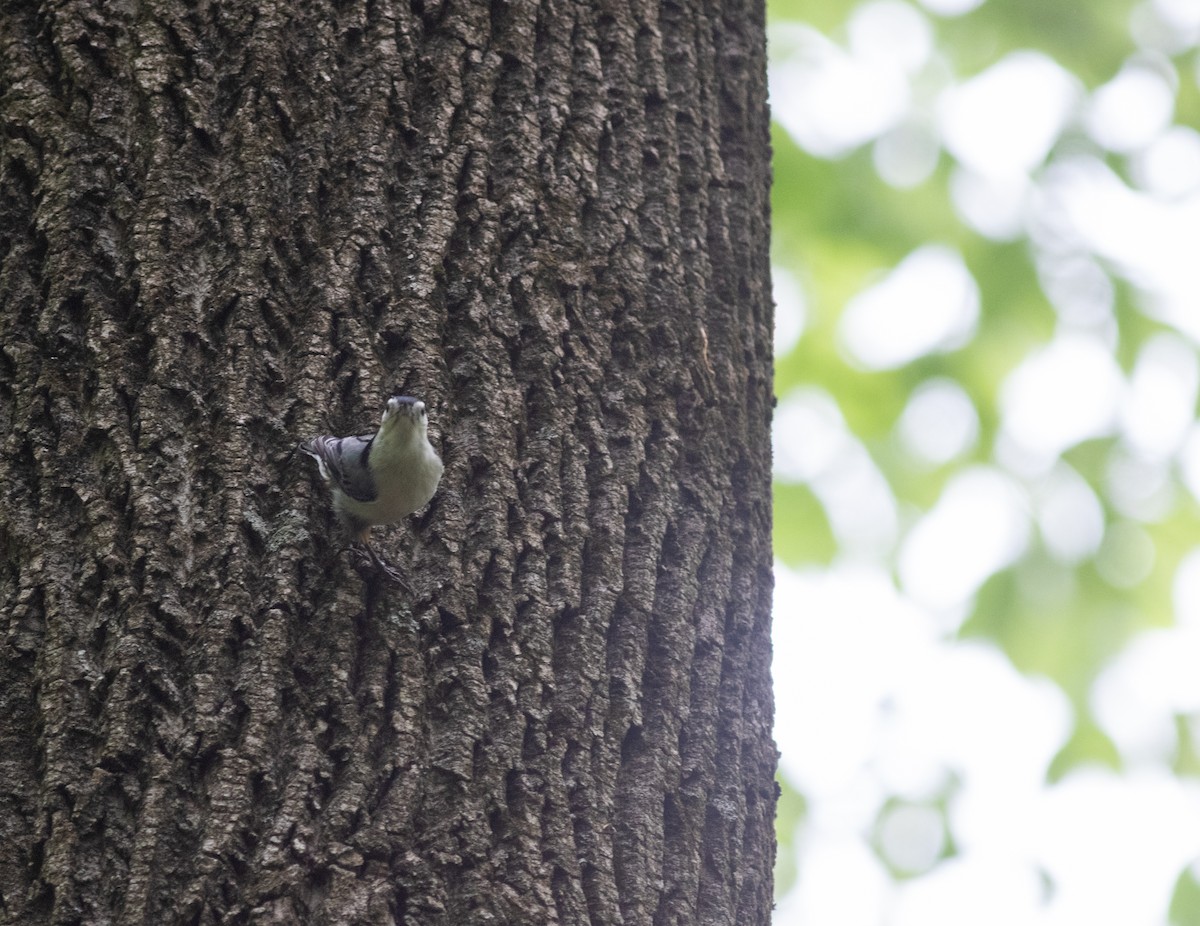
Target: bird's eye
[[422, 413]]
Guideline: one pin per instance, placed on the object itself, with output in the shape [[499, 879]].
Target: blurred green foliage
[[837, 227]]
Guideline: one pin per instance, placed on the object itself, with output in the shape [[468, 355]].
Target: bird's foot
[[370, 566]]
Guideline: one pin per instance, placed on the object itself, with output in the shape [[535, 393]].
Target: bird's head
[[405, 413]]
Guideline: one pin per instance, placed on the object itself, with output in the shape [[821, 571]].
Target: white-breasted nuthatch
[[379, 478]]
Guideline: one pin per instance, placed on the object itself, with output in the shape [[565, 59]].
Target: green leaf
[[802, 534], [1185, 901]]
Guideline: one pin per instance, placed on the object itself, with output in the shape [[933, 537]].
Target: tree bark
[[225, 227]]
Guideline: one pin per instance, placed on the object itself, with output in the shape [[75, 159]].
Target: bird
[[382, 477]]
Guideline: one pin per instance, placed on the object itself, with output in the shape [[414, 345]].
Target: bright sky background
[[899, 735]]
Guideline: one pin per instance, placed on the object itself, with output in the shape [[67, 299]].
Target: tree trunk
[[225, 227]]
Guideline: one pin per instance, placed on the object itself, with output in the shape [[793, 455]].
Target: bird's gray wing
[[343, 461]]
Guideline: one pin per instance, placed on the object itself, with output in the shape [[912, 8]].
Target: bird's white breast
[[406, 476]]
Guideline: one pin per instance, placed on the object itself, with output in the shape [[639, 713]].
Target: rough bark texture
[[228, 226]]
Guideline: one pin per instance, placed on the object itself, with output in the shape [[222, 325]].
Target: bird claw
[[370, 567]]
